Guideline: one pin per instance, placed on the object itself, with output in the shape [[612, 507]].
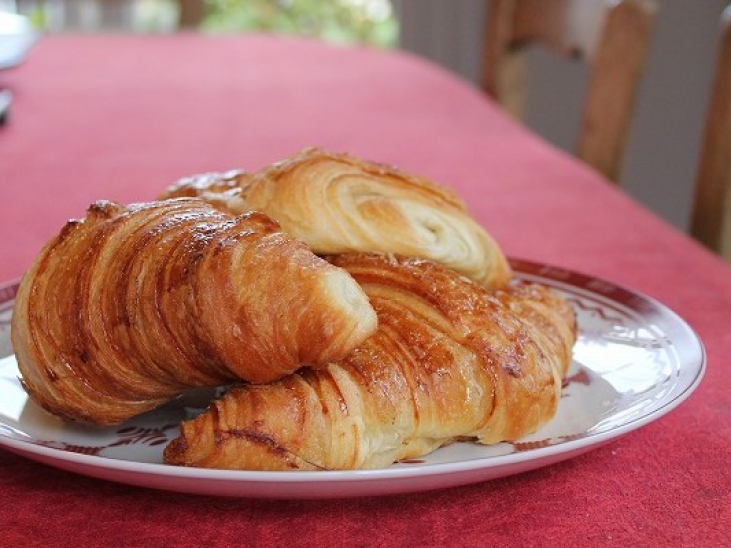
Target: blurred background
[[664, 145]]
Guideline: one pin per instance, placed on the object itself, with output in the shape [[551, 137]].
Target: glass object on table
[[16, 38]]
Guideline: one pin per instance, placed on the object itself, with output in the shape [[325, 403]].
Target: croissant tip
[[103, 209], [175, 451]]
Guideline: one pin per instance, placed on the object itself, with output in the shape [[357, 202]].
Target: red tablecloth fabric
[[120, 117]]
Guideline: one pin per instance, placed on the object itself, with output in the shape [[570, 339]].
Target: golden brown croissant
[[336, 203], [129, 307], [449, 361]]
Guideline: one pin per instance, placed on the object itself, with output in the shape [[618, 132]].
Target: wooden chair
[[612, 36], [711, 216], [190, 13]]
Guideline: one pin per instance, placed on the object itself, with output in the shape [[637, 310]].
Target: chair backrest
[[612, 36], [190, 13], [711, 216]]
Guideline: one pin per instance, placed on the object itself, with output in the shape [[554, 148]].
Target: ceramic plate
[[634, 361]]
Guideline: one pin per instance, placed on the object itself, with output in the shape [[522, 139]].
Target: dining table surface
[[120, 117]]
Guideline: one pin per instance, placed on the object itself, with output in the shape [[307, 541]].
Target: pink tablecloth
[[119, 117]]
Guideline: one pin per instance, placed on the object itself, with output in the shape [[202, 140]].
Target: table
[[119, 117]]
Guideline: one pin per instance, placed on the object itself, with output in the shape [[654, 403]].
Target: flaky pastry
[[131, 306], [337, 203], [449, 361]]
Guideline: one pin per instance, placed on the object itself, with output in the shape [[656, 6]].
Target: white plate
[[635, 360]]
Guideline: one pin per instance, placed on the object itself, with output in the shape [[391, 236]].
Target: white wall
[[664, 143]]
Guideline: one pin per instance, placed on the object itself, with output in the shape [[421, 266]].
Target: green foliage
[[339, 21]]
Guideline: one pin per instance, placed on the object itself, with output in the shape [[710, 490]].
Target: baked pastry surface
[[129, 307], [449, 361], [336, 203]]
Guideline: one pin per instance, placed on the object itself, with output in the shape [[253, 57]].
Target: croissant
[[337, 203], [449, 361], [126, 309]]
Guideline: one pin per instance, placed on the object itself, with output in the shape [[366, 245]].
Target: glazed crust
[[449, 361], [337, 203], [132, 305]]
